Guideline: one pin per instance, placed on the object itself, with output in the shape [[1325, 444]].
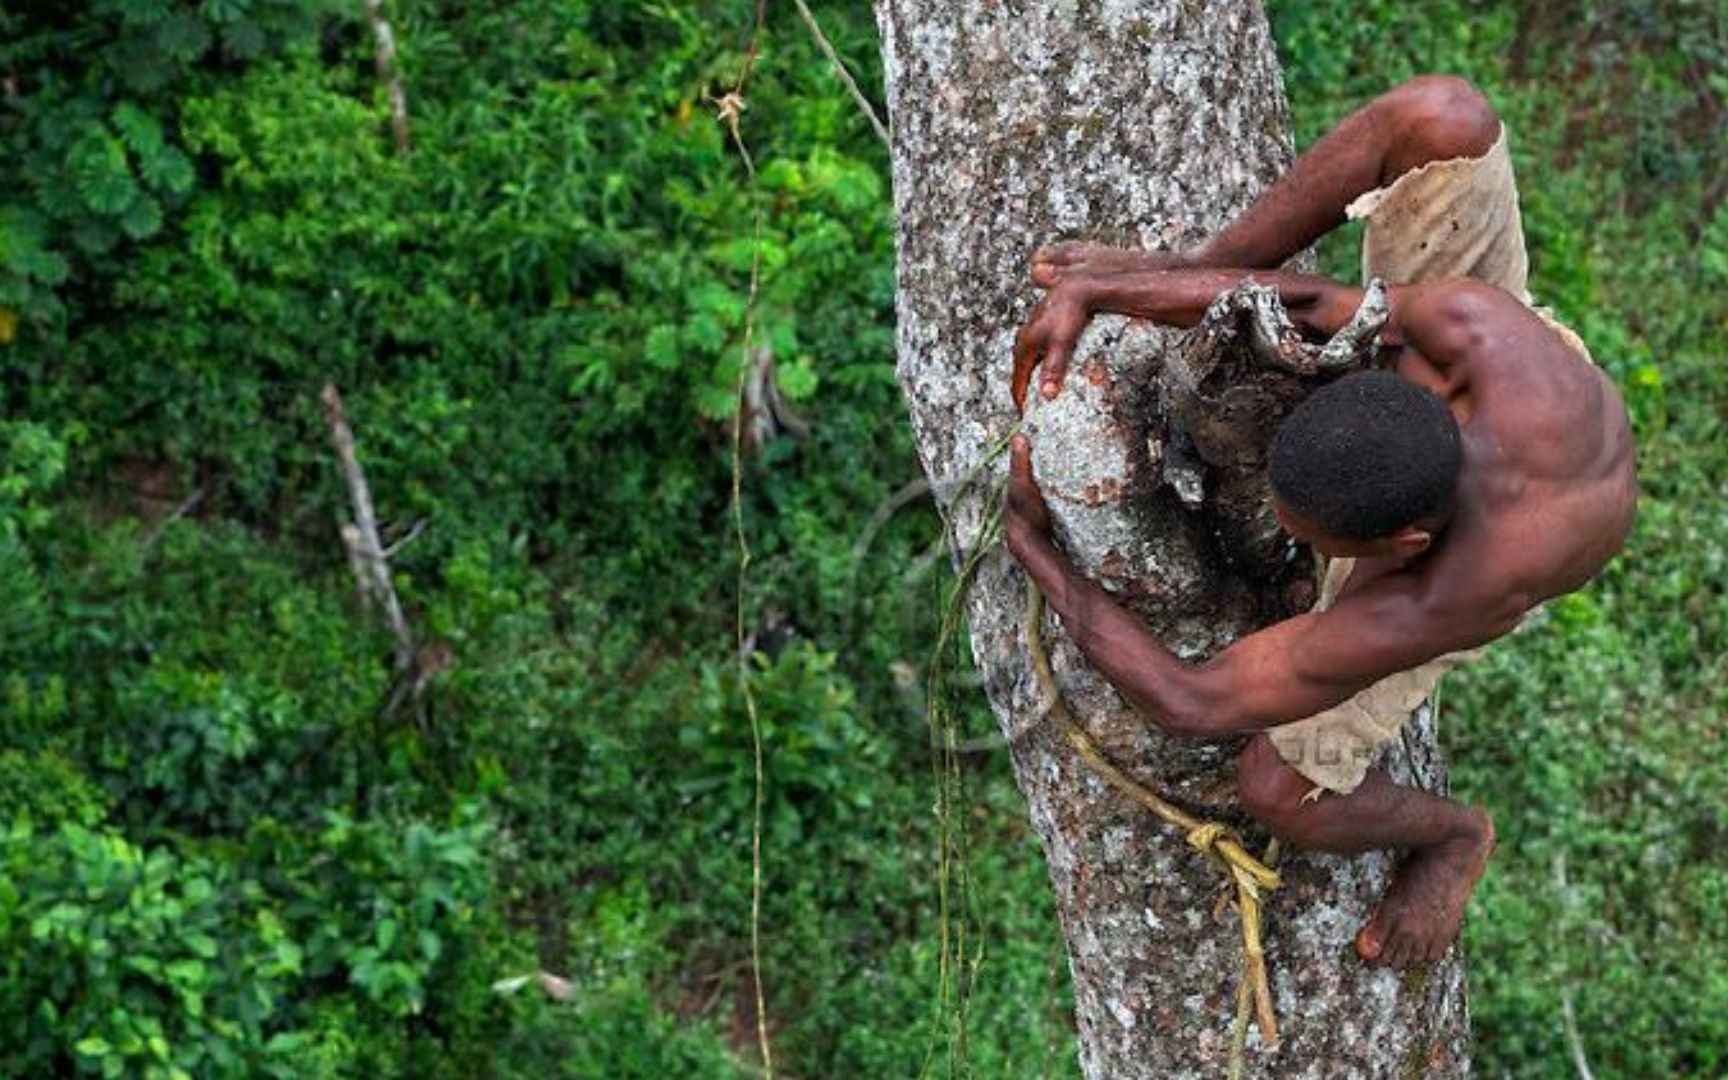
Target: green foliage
[[90, 164], [115, 960], [46, 788], [32, 461], [141, 961]]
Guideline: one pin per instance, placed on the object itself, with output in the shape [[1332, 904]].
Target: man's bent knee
[[1440, 117], [1270, 789]]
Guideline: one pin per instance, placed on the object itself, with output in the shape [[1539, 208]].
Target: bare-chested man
[[1487, 469]]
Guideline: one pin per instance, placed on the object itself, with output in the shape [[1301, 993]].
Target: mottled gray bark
[[1151, 122]]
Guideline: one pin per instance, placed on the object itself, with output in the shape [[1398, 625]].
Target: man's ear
[[1411, 541]]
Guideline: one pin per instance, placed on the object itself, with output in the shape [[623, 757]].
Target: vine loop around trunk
[[1218, 842]]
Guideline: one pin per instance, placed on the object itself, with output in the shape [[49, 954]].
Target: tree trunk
[[1150, 122]]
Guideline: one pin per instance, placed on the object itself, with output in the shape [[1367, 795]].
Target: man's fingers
[[1027, 514], [1048, 336], [1056, 366], [1025, 359], [1065, 253], [1025, 501], [1023, 494], [1020, 459]]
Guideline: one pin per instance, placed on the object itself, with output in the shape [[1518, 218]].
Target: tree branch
[[384, 60], [366, 550]]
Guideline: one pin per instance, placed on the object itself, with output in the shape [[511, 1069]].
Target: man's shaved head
[[1368, 455]]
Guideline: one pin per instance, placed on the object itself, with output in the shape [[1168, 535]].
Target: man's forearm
[[1149, 675], [1181, 297]]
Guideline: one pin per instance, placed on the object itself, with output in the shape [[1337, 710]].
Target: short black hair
[[1367, 455]]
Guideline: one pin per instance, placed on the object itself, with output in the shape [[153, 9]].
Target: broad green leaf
[[142, 219], [139, 131], [661, 348]]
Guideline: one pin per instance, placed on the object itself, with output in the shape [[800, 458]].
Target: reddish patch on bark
[[1106, 490], [1082, 876], [1439, 1057]]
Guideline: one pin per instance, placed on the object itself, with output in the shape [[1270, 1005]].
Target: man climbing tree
[[1488, 469], [1153, 125]]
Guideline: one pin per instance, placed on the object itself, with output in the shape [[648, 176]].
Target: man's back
[[1547, 491]]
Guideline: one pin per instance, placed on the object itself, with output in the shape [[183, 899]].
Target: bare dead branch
[[384, 59], [763, 409], [186, 506], [351, 543], [371, 564], [412, 535], [553, 986]]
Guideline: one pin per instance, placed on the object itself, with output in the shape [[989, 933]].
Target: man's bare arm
[[1171, 297], [1286, 672], [1152, 678], [1181, 297]]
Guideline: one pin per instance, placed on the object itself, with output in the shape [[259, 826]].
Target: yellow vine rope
[[1250, 876]]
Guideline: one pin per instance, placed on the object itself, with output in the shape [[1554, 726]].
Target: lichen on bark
[[1152, 123]]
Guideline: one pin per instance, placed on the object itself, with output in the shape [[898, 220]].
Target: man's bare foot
[[1418, 918], [1050, 264]]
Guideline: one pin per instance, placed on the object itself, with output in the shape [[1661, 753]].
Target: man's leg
[[1447, 846], [1430, 118]]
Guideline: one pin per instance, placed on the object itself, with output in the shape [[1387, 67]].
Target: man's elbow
[[1189, 726], [1217, 700], [1195, 714]]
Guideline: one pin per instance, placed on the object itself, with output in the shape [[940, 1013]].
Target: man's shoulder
[[1471, 323], [1458, 301]]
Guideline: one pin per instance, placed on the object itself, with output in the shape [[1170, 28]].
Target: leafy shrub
[[138, 960]]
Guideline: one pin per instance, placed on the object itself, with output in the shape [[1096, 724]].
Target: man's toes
[[1442, 946], [1423, 952], [1049, 262], [1397, 953], [1435, 950], [1370, 942], [1424, 949]]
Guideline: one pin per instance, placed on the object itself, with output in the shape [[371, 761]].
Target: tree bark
[[1150, 122]]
